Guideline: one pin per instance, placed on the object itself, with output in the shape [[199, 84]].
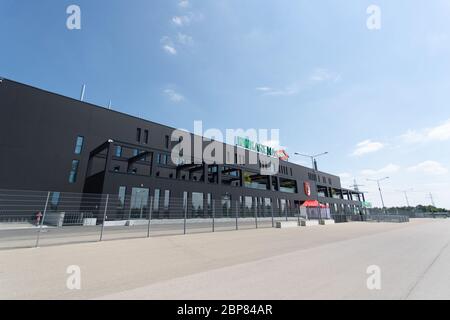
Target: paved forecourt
[[327, 262]]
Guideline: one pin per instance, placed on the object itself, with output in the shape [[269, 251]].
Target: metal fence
[[392, 218], [37, 218]]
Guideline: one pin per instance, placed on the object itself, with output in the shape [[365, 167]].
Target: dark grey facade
[[52, 142]]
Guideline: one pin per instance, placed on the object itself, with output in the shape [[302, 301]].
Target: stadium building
[[52, 142]]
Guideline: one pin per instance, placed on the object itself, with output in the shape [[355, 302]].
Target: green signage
[[367, 205], [254, 146]]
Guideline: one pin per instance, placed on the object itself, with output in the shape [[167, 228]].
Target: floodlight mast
[[379, 188]]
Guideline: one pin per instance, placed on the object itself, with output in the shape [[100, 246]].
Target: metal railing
[[38, 218], [342, 218], [35, 218]]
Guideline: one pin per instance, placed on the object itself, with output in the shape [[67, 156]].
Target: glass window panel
[[255, 181], [166, 199], [79, 145], [74, 171], [156, 200], [197, 204], [287, 185]]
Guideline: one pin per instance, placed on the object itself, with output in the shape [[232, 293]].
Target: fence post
[[256, 213], [185, 216], [43, 218], [150, 217], [298, 217], [237, 215], [104, 217], [213, 215], [271, 209]]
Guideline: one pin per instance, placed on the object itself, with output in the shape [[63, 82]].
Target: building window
[[79, 145], [274, 183], [248, 207], [121, 196], [267, 206], [255, 181], [287, 185], [135, 152], [226, 205], [231, 176], [209, 202], [138, 134], [162, 159], [282, 207], [138, 202], [118, 152], [322, 191], [55, 200], [166, 200], [156, 200], [197, 204], [167, 142], [146, 136], [117, 169], [74, 171], [185, 199], [158, 158]]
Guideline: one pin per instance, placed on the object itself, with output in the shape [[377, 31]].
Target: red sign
[[307, 188], [282, 155]]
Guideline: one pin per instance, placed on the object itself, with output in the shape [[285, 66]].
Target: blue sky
[[377, 100]]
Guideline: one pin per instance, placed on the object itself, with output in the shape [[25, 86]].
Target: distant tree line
[[419, 208]]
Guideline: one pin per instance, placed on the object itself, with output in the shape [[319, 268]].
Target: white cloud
[[317, 76], [169, 49], [438, 133], [184, 4], [321, 75], [185, 39], [264, 89], [366, 147], [390, 168], [288, 91], [168, 46], [429, 167], [181, 21], [174, 96]]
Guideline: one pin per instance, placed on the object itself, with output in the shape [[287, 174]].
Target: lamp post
[[405, 192], [314, 167], [379, 189]]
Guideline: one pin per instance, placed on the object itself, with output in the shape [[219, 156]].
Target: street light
[[313, 158], [314, 167], [379, 188], [405, 192]]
